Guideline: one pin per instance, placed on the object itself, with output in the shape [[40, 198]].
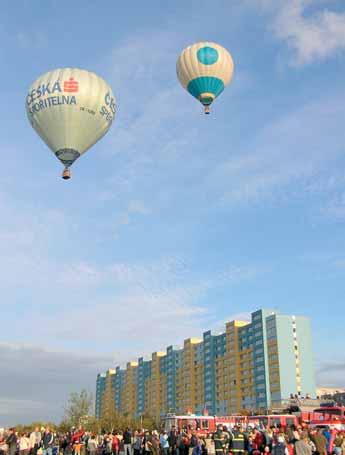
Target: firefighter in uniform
[[220, 441], [228, 437], [239, 441]]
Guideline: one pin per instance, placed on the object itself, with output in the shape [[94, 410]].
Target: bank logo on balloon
[[36, 103], [71, 86]]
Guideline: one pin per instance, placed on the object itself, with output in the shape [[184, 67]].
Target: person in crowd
[[279, 446], [172, 439], [268, 432], [127, 441], [259, 440], [47, 442], [11, 441], [220, 441], [76, 447], [184, 442], [195, 444], [107, 444], [250, 443], [65, 444], [338, 444], [3, 445], [35, 440], [320, 442], [303, 446], [115, 444], [239, 441], [155, 448], [147, 444], [137, 443], [164, 443], [92, 445], [24, 444], [209, 445], [228, 435], [327, 434]]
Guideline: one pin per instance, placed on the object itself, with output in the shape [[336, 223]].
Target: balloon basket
[[66, 175], [207, 110]]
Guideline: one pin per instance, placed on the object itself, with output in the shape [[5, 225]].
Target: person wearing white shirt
[[24, 444]]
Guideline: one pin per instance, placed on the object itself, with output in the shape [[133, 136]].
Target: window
[[204, 424]]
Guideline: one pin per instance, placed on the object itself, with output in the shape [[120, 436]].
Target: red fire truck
[[202, 424], [329, 416], [325, 416]]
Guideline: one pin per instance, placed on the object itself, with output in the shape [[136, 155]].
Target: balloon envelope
[[204, 69], [71, 109]]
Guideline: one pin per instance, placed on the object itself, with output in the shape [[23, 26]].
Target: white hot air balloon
[[204, 69], [71, 109]]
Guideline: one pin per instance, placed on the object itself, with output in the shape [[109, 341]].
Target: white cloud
[[124, 218], [331, 374], [36, 382], [335, 209], [12, 407], [119, 300], [154, 131], [138, 207], [312, 36], [286, 156]]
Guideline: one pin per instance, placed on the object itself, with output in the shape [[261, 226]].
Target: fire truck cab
[[329, 416]]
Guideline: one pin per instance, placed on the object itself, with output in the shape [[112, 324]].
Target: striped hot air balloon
[[71, 109], [205, 69]]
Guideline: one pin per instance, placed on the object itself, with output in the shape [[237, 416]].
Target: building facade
[[252, 366]]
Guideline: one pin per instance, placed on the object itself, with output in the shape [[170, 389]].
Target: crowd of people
[[234, 441]]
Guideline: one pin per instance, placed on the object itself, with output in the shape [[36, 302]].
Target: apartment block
[[253, 365]]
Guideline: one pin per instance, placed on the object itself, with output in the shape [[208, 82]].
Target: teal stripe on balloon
[[205, 84]]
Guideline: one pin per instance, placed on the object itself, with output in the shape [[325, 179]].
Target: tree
[[112, 420], [79, 406]]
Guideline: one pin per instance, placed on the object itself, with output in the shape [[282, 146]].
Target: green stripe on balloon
[[205, 84], [207, 55]]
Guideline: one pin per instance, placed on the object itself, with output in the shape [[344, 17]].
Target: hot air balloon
[[204, 69], [71, 109]]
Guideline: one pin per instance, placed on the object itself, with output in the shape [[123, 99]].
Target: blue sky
[[175, 222]]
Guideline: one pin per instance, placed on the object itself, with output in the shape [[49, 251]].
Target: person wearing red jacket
[[77, 435], [259, 440], [115, 444]]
